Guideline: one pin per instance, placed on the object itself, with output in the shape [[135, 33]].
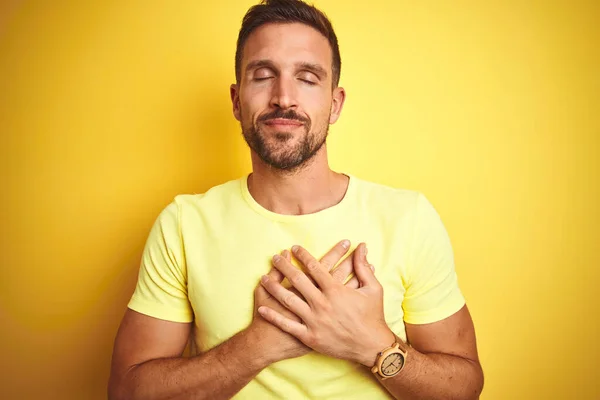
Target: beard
[[279, 150]]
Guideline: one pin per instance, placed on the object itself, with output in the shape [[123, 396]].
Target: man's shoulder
[[385, 194], [398, 202], [220, 195]]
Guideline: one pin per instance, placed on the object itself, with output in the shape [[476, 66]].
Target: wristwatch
[[390, 362]]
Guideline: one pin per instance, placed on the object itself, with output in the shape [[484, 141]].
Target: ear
[[337, 103], [234, 92]]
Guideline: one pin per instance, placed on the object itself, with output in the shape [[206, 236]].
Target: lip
[[282, 122]]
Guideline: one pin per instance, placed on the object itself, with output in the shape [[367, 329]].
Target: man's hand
[[278, 345], [337, 320], [281, 345]]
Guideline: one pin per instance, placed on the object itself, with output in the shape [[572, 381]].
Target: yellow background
[[108, 109]]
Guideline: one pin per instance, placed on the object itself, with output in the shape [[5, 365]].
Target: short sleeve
[[432, 291], [161, 290]]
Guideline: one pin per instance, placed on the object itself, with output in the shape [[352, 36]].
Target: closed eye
[[311, 83], [308, 77], [262, 74]]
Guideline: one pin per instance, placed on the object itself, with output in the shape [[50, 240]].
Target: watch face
[[392, 364]]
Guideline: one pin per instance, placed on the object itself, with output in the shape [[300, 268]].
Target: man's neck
[[312, 188]]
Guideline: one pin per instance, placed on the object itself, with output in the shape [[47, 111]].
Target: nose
[[284, 93]]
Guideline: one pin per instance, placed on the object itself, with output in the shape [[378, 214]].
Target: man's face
[[284, 99]]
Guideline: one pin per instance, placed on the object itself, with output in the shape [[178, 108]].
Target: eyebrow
[[259, 64], [312, 67]]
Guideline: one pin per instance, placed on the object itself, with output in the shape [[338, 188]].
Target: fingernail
[[372, 267], [294, 249], [264, 279], [365, 250], [276, 257], [345, 244]]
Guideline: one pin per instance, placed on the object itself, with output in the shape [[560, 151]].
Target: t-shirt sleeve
[[432, 291], [161, 290]]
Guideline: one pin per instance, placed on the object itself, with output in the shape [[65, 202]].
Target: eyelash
[[303, 80], [308, 82]]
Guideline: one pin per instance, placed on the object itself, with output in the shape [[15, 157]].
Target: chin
[[282, 136], [282, 157]]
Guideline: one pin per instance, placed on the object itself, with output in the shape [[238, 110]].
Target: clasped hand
[[336, 320]]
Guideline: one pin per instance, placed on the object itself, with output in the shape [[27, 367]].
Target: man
[[337, 327]]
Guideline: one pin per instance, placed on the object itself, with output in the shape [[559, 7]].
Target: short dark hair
[[287, 11]]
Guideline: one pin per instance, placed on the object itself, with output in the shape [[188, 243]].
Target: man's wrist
[[261, 355], [376, 345]]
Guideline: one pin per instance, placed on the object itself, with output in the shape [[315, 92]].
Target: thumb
[[363, 270]]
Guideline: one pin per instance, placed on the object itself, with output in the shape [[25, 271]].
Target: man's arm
[[442, 362], [147, 362]]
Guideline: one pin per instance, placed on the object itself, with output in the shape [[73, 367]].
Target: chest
[[224, 269]]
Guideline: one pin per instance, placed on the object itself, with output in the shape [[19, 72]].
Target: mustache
[[280, 114]]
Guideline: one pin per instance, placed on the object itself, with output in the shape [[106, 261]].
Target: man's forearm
[[436, 376], [217, 374]]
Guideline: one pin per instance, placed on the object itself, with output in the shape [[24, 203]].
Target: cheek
[[317, 105], [252, 104], [320, 116]]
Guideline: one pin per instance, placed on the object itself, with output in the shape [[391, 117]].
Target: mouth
[[283, 123]]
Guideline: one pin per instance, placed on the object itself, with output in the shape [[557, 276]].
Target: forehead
[[287, 43]]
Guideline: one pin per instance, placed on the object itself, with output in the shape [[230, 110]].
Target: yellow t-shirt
[[206, 253]]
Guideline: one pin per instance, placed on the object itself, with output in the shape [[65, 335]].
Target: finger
[[333, 256], [361, 266], [260, 294], [287, 255], [352, 282], [343, 272], [298, 279], [275, 273], [319, 274], [310, 278], [288, 299], [285, 324]]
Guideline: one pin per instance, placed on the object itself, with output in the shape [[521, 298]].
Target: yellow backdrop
[[108, 109]]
